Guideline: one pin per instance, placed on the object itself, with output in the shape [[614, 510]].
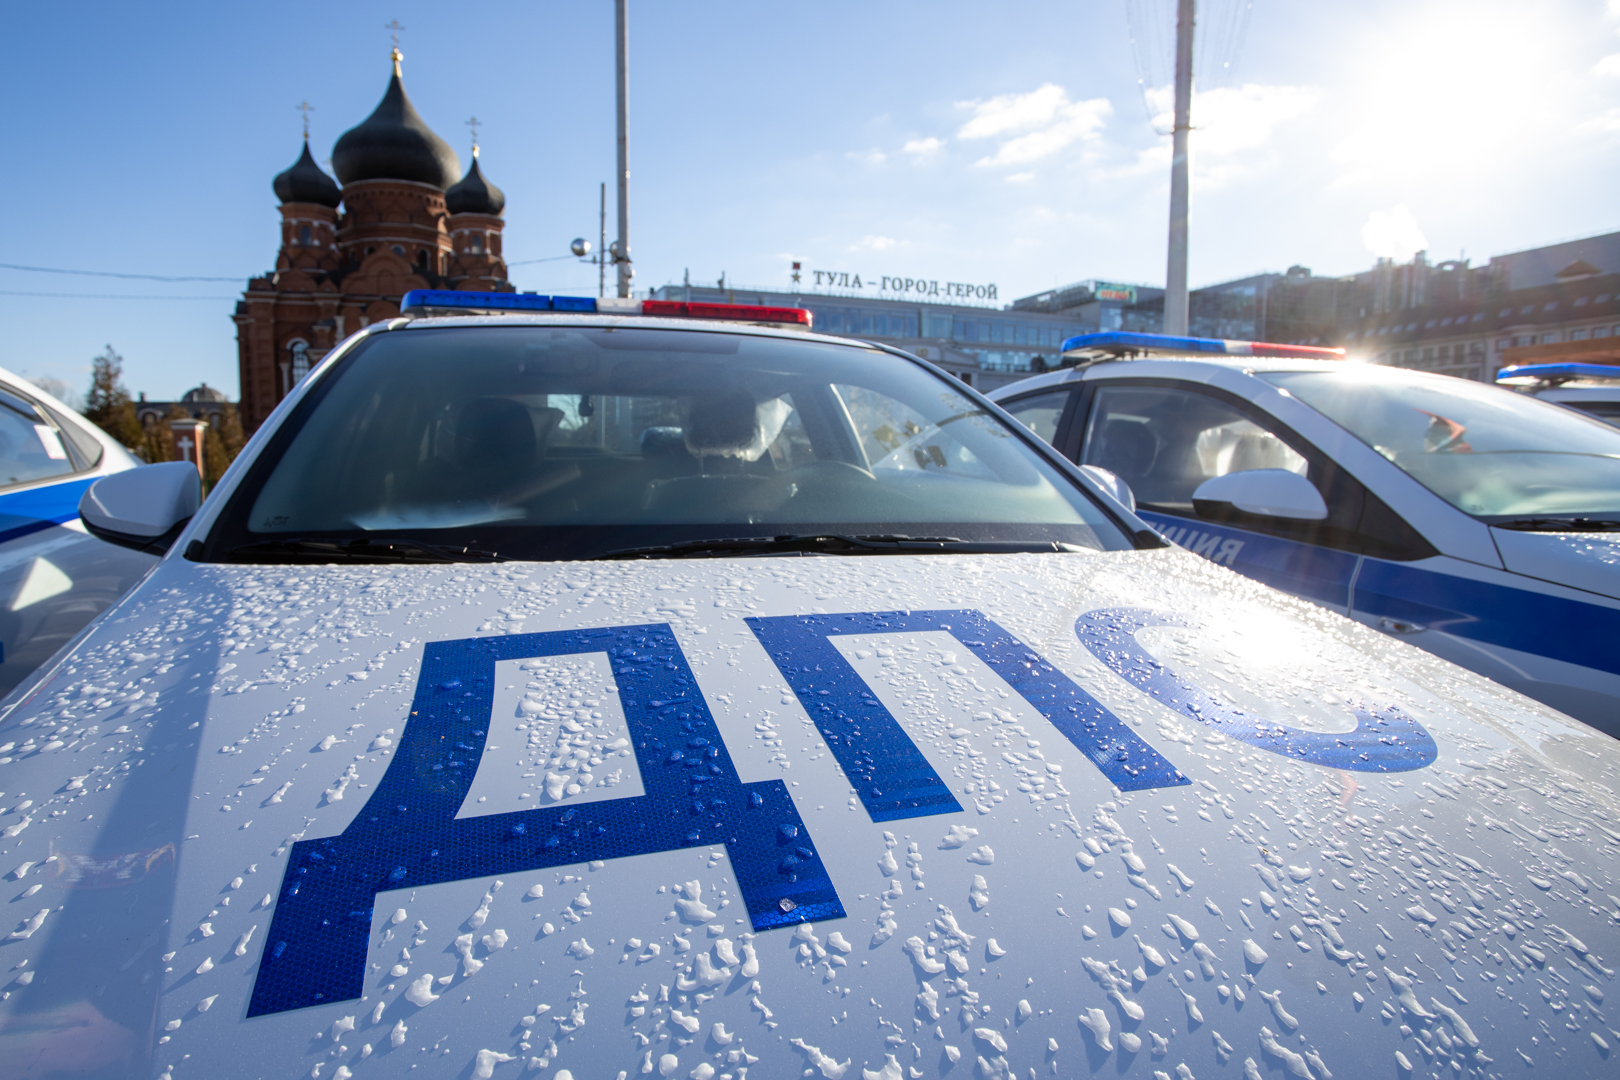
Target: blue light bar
[[1556, 373], [1119, 343], [420, 300]]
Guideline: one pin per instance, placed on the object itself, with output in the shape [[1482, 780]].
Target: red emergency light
[[750, 313]]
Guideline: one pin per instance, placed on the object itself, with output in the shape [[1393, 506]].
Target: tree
[[223, 443], [108, 405], [157, 441]]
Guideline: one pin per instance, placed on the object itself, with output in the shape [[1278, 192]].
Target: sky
[[1020, 143]]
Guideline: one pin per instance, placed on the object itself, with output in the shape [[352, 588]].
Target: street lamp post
[[1175, 287], [621, 247]]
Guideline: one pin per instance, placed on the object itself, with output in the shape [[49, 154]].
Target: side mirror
[[143, 508], [1260, 493], [1111, 483]]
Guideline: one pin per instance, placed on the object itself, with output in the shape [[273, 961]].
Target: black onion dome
[[307, 182], [472, 194], [395, 143]]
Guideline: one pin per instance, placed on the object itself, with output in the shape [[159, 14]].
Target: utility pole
[[621, 252], [601, 249], [1175, 290]]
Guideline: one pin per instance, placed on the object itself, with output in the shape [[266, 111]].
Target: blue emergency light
[[1118, 343], [425, 301], [419, 300], [1556, 373]]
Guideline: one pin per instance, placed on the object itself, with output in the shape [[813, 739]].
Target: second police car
[[1474, 522], [54, 578], [1593, 389], [585, 692]]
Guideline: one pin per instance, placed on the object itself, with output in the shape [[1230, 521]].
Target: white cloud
[[1393, 234], [875, 243], [1229, 123], [870, 157], [1046, 117], [1608, 67], [923, 146], [1020, 177], [1606, 123]]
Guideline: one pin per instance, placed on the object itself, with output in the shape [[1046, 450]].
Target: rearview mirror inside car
[[1260, 493], [143, 508]]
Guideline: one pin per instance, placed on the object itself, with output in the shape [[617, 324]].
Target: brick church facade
[[401, 220]]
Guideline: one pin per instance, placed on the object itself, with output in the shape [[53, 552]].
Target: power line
[[112, 296], [531, 262], [109, 273], [158, 277]]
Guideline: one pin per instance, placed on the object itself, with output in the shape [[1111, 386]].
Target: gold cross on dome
[[475, 124], [306, 108], [394, 28]]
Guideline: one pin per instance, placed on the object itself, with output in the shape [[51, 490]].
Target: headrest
[[724, 425], [492, 431]]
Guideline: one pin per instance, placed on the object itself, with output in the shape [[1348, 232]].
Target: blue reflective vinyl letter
[[407, 835], [890, 774], [1384, 740]]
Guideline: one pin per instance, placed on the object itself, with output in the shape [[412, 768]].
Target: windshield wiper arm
[[365, 550], [1555, 524], [837, 544]]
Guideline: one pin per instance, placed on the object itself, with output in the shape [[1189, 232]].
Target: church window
[[422, 259], [300, 360], [477, 246], [399, 251], [303, 235]]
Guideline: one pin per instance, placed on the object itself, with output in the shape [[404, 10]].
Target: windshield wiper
[[837, 544], [1554, 524], [363, 550]]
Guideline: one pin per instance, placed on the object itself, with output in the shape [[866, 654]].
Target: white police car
[[1474, 522], [600, 695], [1593, 389], [54, 578]]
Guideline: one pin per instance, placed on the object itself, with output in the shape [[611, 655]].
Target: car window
[[1164, 442], [1485, 450], [1040, 412], [30, 449], [646, 436], [1607, 411]]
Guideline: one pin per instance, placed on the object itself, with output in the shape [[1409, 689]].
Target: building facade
[[1558, 302], [403, 218], [983, 346], [202, 402]]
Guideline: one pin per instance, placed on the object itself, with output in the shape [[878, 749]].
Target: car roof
[[641, 322], [1197, 368]]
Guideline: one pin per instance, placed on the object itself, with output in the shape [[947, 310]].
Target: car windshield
[[1486, 450], [574, 441]]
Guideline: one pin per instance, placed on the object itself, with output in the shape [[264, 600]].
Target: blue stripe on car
[[1524, 619], [1316, 573], [29, 511]]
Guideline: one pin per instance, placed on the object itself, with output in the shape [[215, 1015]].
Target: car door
[[54, 578], [1164, 438], [1047, 414]]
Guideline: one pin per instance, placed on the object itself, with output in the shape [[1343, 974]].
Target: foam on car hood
[[1352, 853]]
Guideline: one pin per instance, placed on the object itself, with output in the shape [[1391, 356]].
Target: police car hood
[[1589, 561], [845, 817]]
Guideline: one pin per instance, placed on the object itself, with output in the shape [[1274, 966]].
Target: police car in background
[[1477, 523], [662, 690], [54, 578], [1593, 389]]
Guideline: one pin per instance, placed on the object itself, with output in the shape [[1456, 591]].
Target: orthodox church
[[400, 216]]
